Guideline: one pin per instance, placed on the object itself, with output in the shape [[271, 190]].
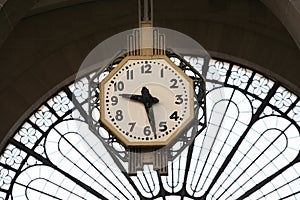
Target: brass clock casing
[[118, 114]]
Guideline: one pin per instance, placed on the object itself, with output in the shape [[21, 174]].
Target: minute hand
[[151, 118], [149, 101]]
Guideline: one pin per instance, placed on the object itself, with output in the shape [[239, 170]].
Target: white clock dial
[[146, 101]]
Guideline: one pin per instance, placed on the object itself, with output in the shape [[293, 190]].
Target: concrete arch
[[43, 43]]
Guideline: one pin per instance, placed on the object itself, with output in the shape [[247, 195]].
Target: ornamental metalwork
[[181, 142], [254, 152]]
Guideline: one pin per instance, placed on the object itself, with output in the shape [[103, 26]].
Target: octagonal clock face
[[146, 101]]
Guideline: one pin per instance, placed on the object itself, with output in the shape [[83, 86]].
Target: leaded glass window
[[253, 154]]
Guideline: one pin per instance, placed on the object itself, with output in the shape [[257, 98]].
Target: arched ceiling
[[288, 12], [44, 43]]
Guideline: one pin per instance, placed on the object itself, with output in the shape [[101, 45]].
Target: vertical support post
[[146, 24], [145, 13], [135, 161], [138, 157], [160, 162]]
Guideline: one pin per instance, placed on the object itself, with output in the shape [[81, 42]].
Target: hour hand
[[133, 97]]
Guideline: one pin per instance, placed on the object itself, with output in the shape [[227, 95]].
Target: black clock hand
[[151, 119], [146, 98], [132, 97], [149, 101]]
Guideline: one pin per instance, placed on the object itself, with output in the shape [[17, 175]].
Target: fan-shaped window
[[254, 153]]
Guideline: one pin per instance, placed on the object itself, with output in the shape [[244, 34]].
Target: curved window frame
[[255, 157]]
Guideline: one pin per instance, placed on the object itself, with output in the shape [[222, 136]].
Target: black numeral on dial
[[179, 99], [119, 115], [146, 69], [132, 125], [114, 100], [174, 83], [147, 130], [161, 73], [129, 75], [174, 116], [163, 126], [119, 86]]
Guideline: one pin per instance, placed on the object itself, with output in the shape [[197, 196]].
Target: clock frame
[[146, 43], [127, 120]]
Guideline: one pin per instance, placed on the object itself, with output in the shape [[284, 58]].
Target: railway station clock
[[147, 103]]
